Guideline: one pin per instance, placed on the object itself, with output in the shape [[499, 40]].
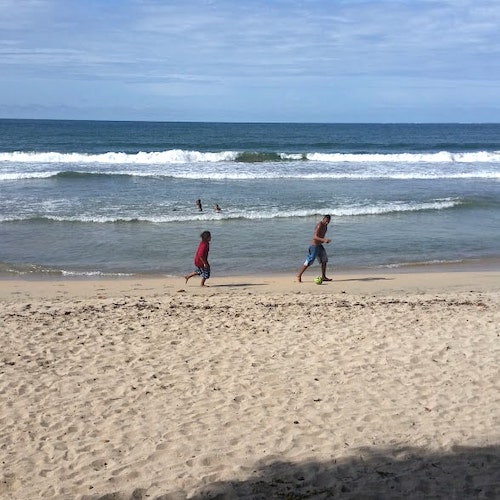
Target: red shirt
[[201, 256]]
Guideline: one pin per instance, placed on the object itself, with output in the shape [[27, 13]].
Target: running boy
[[201, 259]]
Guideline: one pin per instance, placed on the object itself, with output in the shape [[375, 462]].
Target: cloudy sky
[[251, 60]]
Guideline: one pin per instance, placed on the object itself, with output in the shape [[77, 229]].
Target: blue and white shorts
[[204, 272], [316, 252]]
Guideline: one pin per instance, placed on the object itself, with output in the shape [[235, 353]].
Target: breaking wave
[[183, 156], [381, 208]]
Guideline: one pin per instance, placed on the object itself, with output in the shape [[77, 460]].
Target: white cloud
[[269, 52]]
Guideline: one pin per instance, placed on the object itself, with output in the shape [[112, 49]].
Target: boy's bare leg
[[189, 276], [323, 271], [301, 272]]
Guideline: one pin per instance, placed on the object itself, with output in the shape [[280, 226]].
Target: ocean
[[94, 198]]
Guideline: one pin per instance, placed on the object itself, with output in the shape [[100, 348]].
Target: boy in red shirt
[[201, 259]]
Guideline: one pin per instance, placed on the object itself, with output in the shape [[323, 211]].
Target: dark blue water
[[132, 137], [82, 197]]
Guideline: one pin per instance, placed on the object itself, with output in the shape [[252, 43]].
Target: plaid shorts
[[203, 272]]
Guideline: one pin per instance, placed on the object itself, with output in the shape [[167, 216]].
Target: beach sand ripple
[[234, 394]]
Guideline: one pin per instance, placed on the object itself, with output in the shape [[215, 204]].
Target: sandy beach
[[373, 386]]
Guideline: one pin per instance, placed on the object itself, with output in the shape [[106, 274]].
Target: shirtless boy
[[317, 250]]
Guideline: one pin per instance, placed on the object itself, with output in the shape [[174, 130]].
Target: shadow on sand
[[231, 285], [234, 285], [464, 473], [366, 279]]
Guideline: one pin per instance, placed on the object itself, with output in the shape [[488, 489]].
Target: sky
[[324, 61]]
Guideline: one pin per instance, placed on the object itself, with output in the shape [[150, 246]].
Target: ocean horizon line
[[245, 122]]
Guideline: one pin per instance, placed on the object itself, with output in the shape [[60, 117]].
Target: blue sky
[[251, 60]]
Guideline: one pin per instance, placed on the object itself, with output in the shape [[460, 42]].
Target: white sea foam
[[380, 208], [222, 175], [183, 156], [440, 157], [147, 158], [222, 166], [14, 176], [91, 274]]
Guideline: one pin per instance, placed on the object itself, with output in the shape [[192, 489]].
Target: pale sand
[[372, 386]]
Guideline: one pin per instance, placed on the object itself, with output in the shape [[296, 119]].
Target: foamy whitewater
[[113, 198]]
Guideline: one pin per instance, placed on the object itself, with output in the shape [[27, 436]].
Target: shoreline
[[491, 263], [360, 282]]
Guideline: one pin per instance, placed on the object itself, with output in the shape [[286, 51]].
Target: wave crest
[[356, 210], [183, 156]]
